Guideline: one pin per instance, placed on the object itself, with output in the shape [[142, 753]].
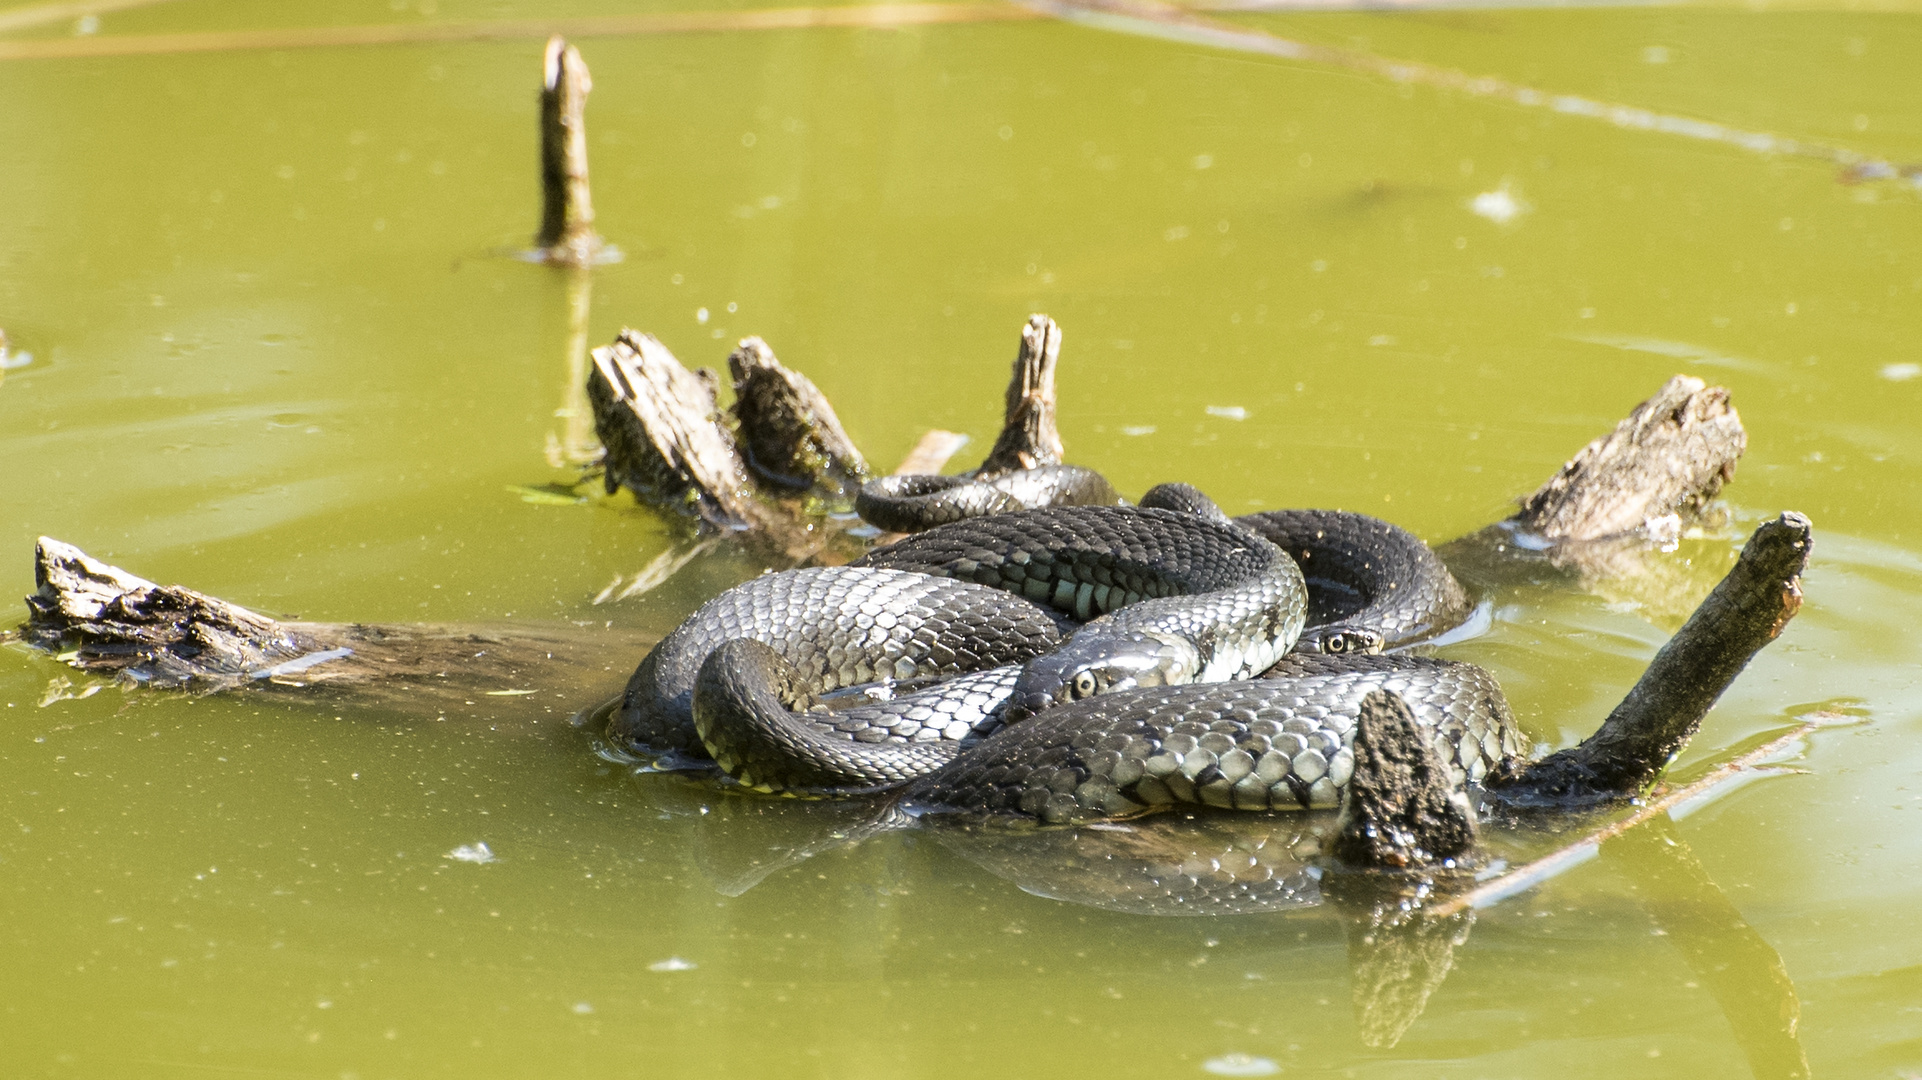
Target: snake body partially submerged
[[1055, 645], [1275, 743]]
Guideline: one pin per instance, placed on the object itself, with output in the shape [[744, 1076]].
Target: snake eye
[[1084, 685], [1335, 643]]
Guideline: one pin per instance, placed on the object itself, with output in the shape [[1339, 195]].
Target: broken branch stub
[[1652, 724], [162, 635], [1670, 456], [1400, 809], [106, 621], [1028, 435], [664, 441], [567, 208], [786, 427]]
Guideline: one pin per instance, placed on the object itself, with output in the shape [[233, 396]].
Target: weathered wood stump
[[1662, 465], [767, 466], [787, 429], [664, 436], [1029, 438], [1602, 521], [567, 234]]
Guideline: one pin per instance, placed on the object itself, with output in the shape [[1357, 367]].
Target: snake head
[[1343, 640], [1092, 664]]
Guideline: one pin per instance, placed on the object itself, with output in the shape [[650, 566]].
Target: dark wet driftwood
[[109, 622], [787, 429], [1745, 612], [1399, 809]]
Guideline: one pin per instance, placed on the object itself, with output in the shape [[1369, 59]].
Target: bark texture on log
[[1667, 459], [664, 441], [1604, 520], [1028, 435], [787, 428], [1745, 612], [162, 635], [1400, 809], [567, 208], [106, 621]]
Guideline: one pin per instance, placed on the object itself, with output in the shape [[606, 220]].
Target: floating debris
[[1238, 1064], [302, 663], [1499, 206], [474, 853], [61, 689]]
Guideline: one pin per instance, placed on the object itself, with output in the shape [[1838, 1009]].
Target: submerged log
[[567, 232], [1636, 742], [931, 452], [106, 621]]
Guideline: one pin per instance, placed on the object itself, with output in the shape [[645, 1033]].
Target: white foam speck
[[1139, 429], [1240, 1065], [582, 1008], [672, 963], [1499, 206], [1228, 412], [1901, 372], [473, 853]]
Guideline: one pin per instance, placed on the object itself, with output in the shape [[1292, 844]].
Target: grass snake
[[903, 666]]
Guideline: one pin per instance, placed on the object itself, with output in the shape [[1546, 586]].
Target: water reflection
[[1737, 966], [1400, 949]]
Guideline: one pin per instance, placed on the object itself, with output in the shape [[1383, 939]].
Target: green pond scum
[[259, 255]]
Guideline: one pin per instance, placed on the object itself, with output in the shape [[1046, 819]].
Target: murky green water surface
[[275, 355]]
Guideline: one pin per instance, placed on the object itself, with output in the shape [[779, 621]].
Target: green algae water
[[268, 342]]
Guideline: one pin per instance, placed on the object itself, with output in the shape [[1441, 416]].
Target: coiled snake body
[[1060, 643]]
